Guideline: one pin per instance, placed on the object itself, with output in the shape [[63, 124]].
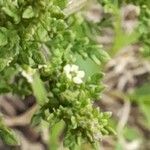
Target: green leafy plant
[[7, 135], [141, 96], [39, 45]]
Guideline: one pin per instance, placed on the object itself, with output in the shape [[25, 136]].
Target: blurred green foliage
[[7, 135], [141, 96]]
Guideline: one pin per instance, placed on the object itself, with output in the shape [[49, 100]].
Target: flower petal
[[69, 76], [27, 76], [81, 74], [77, 80], [74, 68], [67, 68], [42, 66]]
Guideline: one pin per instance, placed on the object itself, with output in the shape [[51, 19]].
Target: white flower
[[72, 72], [28, 74]]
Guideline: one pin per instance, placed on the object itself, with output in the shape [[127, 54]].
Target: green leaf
[[142, 93], [3, 63], [131, 133], [96, 78], [28, 13], [87, 65], [39, 90], [42, 34], [7, 135], [145, 108], [55, 134], [103, 56], [36, 119], [3, 37], [12, 12], [4, 87], [61, 3], [98, 55]]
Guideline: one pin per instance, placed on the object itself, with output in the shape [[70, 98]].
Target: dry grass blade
[[21, 120]]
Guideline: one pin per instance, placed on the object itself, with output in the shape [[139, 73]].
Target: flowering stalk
[[41, 40]]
